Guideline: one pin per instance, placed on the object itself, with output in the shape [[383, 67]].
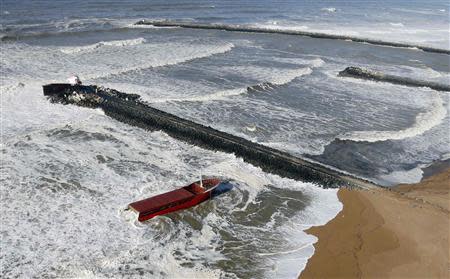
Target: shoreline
[[400, 232], [435, 168]]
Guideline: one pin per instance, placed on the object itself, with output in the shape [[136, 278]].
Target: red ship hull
[[182, 198]]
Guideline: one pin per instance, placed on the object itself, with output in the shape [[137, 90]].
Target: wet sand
[[402, 233]]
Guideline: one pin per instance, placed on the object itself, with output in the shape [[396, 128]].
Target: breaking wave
[[276, 76], [261, 87], [195, 55], [220, 95], [291, 75], [275, 29], [329, 10], [396, 24], [424, 122], [14, 32], [282, 79], [95, 65], [118, 43]]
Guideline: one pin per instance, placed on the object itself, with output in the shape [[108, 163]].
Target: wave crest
[[118, 43], [424, 122], [348, 35], [287, 77], [223, 94], [291, 75], [329, 10]]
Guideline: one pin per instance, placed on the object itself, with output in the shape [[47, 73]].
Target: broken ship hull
[[129, 109], [179, 199]]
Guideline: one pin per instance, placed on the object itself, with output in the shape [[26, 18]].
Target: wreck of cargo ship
[[182, 198]]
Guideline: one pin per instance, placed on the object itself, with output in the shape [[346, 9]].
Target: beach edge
[[398, 232]]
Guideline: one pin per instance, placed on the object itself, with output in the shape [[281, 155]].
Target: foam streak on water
[[118, 43], [82, 176], [68, 173], [278, 79], [425, 121]]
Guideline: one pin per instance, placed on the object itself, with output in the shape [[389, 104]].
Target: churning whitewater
[[68, 173]]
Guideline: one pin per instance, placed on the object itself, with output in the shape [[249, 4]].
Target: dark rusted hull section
[[125, 108]]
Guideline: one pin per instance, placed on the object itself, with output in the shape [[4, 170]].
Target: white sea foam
[[273, 75], [445, 157], [280, 79], [417, 11], [281, 26], [317, 62], [188, 55], [93, 47], [313, 63], [424, 121], [291, 75], [26, 102], [330, 10], [323, 207], [316, 29], [421, 73], [82, 229], [67, 140], [396, 177], [396, 24], [50, 160], [436, 36], [220, 95], [98, 64], [148, 26]]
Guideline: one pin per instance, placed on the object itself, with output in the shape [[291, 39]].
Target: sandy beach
[[107, 103], [402, 233]]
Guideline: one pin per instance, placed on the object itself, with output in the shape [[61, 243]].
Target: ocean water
[[68, 173]]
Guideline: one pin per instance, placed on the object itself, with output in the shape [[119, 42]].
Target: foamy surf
[[189, 55], [81, 168], [396, 24], [407, 176], [329, 10], [291, 75], [220, 95], [424, 121], [274, 75], [93, 47], [98, 64], [164, 246], [279, 79], [135, 26], [406, 36]]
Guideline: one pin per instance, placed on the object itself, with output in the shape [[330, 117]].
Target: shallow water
[[68, 172]]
